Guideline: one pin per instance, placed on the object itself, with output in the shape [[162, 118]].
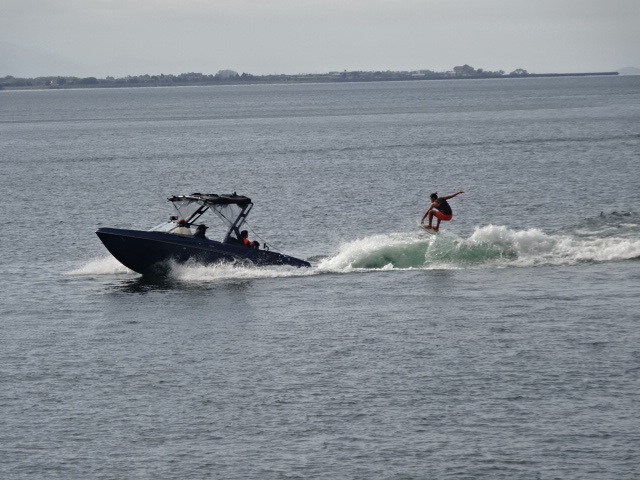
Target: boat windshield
[[228, 213], [186, 208]]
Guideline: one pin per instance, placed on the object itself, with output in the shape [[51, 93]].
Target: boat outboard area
[[188, 235]]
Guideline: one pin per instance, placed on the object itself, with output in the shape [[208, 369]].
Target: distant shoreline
[[198, 79]]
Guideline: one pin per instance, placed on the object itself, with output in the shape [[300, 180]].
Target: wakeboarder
[[440, 209]]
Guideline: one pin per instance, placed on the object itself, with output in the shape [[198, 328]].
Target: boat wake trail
[[615, 237], [487, 246], [194, 272]]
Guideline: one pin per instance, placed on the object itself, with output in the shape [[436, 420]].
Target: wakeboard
[[431, 231]]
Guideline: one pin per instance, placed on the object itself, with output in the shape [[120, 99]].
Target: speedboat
[[184, 237]]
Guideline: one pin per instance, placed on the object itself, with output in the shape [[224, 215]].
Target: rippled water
[[505, 347]]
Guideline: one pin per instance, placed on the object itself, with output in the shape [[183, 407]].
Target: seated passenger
[[255, 244], [244, 238], [200, 230], [182, 228]]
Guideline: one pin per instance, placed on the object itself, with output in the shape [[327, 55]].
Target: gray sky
[[133, 37]]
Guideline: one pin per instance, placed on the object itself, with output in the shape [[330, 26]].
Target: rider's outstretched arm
[[453, 195]]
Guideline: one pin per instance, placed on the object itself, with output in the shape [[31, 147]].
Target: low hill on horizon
[[629, 71]]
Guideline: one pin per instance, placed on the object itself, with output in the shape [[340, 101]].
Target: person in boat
[[200, 231], [440, 209], [244, 238], [182, 228], [255, 244]]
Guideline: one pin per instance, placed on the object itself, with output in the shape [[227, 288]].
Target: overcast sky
[[132, 37]]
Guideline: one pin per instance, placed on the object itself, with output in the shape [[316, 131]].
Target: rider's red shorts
[[442, 216]]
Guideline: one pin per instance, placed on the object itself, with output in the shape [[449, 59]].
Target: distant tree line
[[224, 77]]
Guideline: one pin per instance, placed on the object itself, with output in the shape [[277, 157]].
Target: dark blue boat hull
[[150, 252]]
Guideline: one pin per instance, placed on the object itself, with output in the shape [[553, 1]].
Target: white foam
[[227, 271], [598, 249], [534, 247], [101, 266], [532, 240]]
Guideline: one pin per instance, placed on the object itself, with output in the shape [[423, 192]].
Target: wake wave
[[489, 246]]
